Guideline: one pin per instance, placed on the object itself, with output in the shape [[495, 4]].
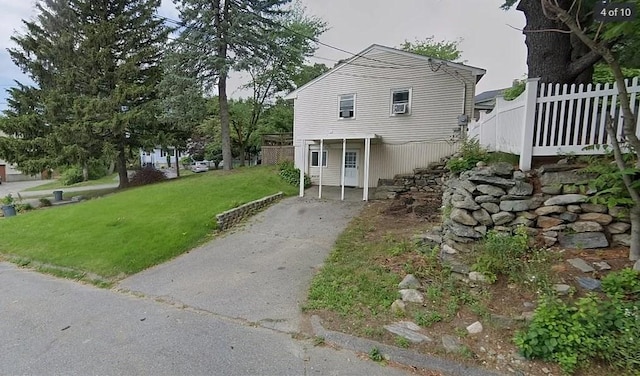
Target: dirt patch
[[504, 304]]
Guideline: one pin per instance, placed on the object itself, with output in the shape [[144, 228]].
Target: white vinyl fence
[[553, 119]]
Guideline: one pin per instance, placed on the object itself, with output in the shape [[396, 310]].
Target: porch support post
[[303, 168], [526, 141], [367, 155], [320, 160], [344, 156]]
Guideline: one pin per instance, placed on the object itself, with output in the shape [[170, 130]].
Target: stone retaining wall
[[229, 218], [428, 180], [552, 203]]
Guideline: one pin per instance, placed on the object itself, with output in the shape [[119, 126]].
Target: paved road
[[19, 186], [255, 275]]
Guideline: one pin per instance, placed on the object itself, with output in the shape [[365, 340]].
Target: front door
[[351, 168]]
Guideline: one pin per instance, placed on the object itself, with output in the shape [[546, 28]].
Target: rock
[[491, 180], [622, 239], [409, 282], [502, 218], [463, 231], [475, 328], [557, 228], [412, 296], [528, 306], [458, 267], [584, 240], [619, 213], [487, 199], [528, 215], [501, 321], [398, 307], [563, 177], [521, 221], [602, 265], [428, 239], [568, 216], [483, 217], [555, 189], [521, 189], [451, 343], [514, 198], [552, 234], [589, 283], [490, 207], [477, 277], [554, 209], [490, 190], [569, 189], [565, 200], [481, 229], [562, 289], [593, 208], [581, 264], [603, 219], [636, 266], [618, 228], [502, 169], [77, 198], [549, 241], [574, 208], [515, 206], [546, 222], [584, 226], [408, 330], [461, 184], [463, 217], [446, 248], [467, 203], [519, 175]]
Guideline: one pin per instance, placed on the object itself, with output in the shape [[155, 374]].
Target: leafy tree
[[217, 34], [601, 45], [96, 68], [439, 49], [307, 73]]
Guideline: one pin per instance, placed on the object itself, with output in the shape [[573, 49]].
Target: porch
[[334, 193]]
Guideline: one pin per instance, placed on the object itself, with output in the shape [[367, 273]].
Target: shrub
[[24, 207], [291, 174], [604, 328], [147, 175], [71, 175], [470, 154], [45, 202]]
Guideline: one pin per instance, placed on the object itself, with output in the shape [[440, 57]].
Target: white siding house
[[159, 157], [381, 113]]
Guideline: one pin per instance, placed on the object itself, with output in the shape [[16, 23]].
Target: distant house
[[381, 113], [485, 101], [160, 158]]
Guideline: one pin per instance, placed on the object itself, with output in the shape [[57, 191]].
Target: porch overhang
[[306, 141]]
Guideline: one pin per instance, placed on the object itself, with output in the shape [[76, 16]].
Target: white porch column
[[526, 142], [320, 164], [303, 168], [344, 157], [367, 155]]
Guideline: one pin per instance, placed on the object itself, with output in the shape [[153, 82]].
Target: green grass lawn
[[123, 233]]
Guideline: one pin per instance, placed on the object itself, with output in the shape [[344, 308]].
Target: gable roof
[[478, 72], [486, 95]]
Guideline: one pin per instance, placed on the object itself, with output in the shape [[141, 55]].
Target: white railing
[[554, 119]]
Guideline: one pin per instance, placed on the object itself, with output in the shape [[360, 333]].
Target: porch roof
[[340, 137]]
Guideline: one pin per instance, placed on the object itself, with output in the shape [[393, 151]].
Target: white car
[[200, 166]]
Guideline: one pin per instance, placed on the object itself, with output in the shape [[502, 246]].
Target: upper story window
[[347, 106], [401, 101]]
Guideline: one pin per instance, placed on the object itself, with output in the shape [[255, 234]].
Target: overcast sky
[[488, 41]]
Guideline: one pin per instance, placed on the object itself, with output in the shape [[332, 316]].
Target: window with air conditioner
[[401, 101], [347, 106], [315, 158]]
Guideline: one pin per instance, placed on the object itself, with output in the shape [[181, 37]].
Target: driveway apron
[[260, 271]]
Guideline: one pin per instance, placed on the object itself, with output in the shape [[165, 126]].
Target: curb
[[402, 356]]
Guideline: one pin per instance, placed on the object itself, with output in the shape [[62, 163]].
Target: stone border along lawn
[[231, 217]]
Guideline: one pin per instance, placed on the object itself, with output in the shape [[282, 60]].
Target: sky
[[491, 37]]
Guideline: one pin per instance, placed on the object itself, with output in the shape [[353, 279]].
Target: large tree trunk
[[121, 165], [552, 54], [634, 248], [85, 171], [222, 30], [225, 133]]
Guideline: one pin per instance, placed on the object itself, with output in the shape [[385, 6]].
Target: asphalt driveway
[[259, 272]]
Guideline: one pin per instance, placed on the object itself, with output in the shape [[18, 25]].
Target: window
[[314, 158], [347, 106], [400, 101], [164, 153]]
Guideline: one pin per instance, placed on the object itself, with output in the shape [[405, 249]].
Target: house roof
[[478, 72], [487, 95]]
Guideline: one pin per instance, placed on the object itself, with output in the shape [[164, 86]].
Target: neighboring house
[[485, 101], [159, 158], [381, 113]]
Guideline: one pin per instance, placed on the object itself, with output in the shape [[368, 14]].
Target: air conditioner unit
[[399, 108]]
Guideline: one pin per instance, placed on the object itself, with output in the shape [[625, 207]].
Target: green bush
[[291, 174], [594, 327], [147, 175], [470, 154], [71, 175]]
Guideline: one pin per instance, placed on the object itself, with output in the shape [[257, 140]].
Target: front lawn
[[124, 233]]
